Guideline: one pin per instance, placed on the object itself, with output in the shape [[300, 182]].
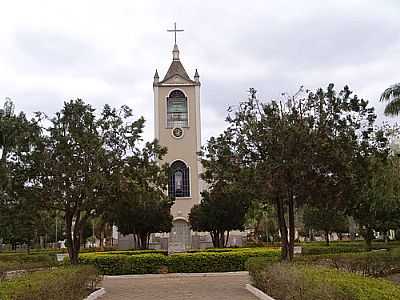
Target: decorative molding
[[258, 293]]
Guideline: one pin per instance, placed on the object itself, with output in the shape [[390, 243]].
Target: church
[[177, 126]]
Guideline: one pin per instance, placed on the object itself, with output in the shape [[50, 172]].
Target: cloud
[[107, 52]]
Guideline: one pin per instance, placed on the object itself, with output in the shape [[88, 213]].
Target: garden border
[[96, 294], [174, 275], [258, 293]]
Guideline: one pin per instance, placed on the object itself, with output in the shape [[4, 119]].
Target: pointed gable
[[176, 68]]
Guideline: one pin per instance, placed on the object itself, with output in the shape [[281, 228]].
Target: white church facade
[[177, 126]]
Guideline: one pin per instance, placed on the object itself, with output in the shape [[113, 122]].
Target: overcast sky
[[107, 51]]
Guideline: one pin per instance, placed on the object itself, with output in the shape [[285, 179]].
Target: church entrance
[[180, 236]]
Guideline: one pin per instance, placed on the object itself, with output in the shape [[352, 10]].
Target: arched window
[[177, 112], [179, 185]]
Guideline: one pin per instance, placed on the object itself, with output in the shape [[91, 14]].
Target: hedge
[[292, 281], [119, 264], [68, 283], [131, 252], [316, 248]]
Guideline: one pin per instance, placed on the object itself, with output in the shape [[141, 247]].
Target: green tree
[[392, 96], [224, 206], [378, 206], [327, 220], [261, 217], [80, 162], [299, 144], [19, 142], [143, 207]]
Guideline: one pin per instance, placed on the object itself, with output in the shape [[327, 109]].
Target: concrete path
[[223, 286]]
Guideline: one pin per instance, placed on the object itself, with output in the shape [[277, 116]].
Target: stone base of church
[[197, 241]]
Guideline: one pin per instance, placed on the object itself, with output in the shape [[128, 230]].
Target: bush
[[227, 261], [68, 283], [376, 263], [290, 281], [132, 252], [316, 248], [22, 261], [121, 264]]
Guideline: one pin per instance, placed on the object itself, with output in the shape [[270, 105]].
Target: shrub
[[378, 263], [121, 264], [19, 261], [231, 260], [316, 248], [69, 283], [290, 281], [132, 252]]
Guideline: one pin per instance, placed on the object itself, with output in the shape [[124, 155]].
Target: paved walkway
[[178, 287]]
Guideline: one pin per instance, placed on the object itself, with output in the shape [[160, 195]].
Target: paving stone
[[222, 287]]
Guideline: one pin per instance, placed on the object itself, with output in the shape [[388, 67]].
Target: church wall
[[184, 149]]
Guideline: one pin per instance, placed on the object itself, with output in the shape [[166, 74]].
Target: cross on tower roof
[[174, 31]]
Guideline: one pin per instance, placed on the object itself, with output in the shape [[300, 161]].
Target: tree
[[80, 164], [326, 220], [19, 142], [220, 211], [378, 206], [298, 144], [262, 218], [143, 207], [392, 95], [224, 206]]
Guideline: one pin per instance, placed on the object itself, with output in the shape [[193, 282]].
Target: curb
[[96, 294], [258, 293], [175, 275]]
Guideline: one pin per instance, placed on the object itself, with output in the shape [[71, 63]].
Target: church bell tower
[[177, 127]]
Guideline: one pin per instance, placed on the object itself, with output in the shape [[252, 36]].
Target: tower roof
[[176, 67]]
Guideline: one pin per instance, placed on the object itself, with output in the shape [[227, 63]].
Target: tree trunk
[[102, 240], [215, 236], [68, 237], [282, 229], [73, 234], [386, 236], [143, 239], [222, 239], [327, 237], [369, 237], [291, 226], [227, 239]]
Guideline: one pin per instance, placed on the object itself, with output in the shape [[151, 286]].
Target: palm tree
[[392, 94]]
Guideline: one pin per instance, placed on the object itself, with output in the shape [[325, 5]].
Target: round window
[[177, 132]]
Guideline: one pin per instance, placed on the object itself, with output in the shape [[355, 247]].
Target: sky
[[108, 51]]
